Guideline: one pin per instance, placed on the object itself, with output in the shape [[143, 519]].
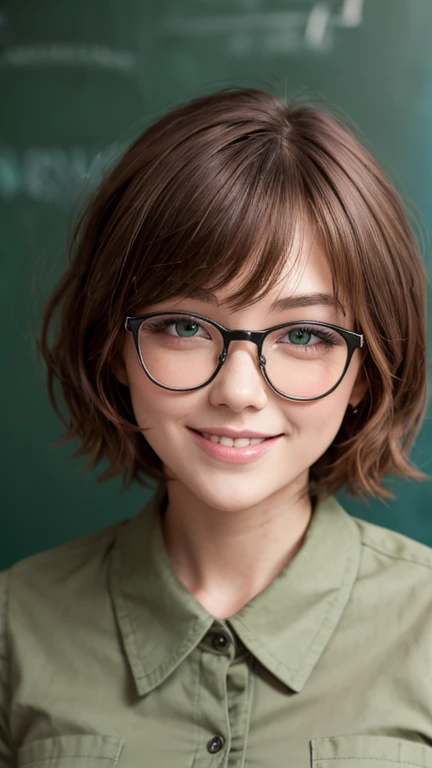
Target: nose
[[239, 382]]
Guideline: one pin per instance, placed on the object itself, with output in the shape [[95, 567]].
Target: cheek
[[314, 428], [321, 419], [155, 407], [147, 398], [148, 401]]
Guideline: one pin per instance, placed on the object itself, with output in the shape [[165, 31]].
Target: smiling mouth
[[239, 442], [230, 442]]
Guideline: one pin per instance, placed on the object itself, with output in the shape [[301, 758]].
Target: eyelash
[[162, 324], [324, 334]]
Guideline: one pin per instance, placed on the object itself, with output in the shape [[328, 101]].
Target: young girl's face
[[240, 399]]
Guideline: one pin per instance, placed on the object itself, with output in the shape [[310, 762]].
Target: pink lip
[[228, 432], [234, 455]]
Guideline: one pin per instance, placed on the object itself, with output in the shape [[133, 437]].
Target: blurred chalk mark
[[268, 32], [321, 21], [351, 14], [316, 26], [53, 175], [66, 54], [191, 26]]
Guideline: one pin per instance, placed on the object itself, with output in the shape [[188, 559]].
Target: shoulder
[[66, 559], [67, 586], [53, 604], [61, 593], [391, 546], [56, 582], [395, 572]]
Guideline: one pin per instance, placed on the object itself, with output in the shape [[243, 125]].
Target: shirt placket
[[224, 710]]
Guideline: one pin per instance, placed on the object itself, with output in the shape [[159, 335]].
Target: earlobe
[[119, 371]]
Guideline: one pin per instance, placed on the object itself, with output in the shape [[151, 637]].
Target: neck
[[224, 557]]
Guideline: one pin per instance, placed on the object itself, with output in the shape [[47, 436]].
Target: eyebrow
[[288, 302]]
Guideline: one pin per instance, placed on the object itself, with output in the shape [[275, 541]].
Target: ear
[[359, 389], [119, 370]]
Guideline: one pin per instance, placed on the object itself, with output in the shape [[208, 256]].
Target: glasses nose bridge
[[256, 337]]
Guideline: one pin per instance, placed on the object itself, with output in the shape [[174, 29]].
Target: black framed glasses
[[300, 360]]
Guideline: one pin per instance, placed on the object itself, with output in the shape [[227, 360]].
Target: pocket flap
[[86, 750], [367, 750]]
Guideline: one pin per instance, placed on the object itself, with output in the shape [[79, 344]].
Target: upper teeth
[[239, 442]]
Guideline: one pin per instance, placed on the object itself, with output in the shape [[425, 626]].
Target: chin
[[233, 494]]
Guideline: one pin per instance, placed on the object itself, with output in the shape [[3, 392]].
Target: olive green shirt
[[107, 660]]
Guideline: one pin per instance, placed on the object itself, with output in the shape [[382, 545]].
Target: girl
[[243, 320]]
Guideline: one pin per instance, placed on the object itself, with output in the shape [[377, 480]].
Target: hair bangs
[[244, 230]]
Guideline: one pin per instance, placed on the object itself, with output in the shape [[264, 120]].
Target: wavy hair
[[233, 173]]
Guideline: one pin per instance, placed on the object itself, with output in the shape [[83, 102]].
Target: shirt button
[[215, 744], [219, 641]]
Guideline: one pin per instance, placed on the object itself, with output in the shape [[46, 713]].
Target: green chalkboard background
[[78, 80]]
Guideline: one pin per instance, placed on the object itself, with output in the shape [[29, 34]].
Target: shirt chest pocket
[[82, 750], [369, 752]]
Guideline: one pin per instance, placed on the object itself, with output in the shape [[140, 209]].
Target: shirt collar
[[286, 627]]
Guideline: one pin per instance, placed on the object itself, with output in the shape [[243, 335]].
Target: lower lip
[[234, 455]]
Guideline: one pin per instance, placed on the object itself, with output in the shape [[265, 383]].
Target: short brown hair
[[215, 184]]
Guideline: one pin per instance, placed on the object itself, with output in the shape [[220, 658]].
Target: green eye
[[186, 328], [300, 336]]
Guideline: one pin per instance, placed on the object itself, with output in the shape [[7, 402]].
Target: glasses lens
[[305, 360], [180, 351], [302, 360]]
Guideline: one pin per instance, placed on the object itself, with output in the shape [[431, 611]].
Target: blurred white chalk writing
[[54, 175], [68, 54], [296, 29]]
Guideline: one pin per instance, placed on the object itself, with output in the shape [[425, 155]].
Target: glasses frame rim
[[354, 341]]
